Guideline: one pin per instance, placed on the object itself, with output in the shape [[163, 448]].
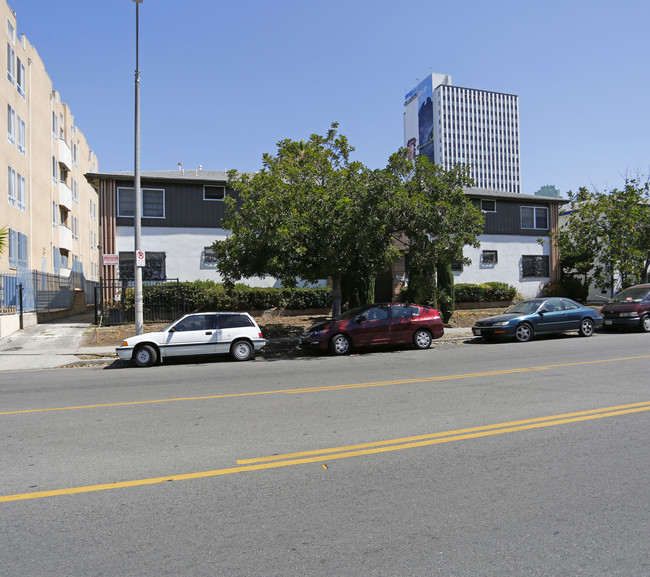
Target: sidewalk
[[58, 344]]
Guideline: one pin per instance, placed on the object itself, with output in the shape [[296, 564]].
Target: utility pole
[[137, 232]]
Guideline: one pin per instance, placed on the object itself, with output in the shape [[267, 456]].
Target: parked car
[[539, 316], [629, 309], [376, 324], [236, 334]]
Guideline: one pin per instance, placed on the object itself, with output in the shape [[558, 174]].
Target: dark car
[[629, 309], [376, 324], [540, 316]]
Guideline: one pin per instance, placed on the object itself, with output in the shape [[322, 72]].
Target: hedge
[[486, 292], [208, 295]]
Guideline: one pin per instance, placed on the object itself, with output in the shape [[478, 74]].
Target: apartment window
[[211, 192], [20, 135], [210, 257], [488, 205], [55, 214], [20, 81], [17, 249], [74, 154], [75, 191], [11, 64], [55, 125], [535, 266], [489, 257], [20, 192], [11, 186], [153, 202], [11, 124], [534, 217], [154, 268], [55, 171], [11, 32]]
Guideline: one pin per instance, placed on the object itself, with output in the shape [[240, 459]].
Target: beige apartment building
[[49, 208]]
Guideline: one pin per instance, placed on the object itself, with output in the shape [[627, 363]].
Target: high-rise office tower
[[454, 125]]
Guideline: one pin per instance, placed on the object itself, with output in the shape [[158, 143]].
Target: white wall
[[184, 251], [508, 268]]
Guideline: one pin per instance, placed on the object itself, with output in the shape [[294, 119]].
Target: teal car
[[529, 318]]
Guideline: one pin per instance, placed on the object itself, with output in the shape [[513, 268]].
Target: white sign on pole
[[139, 258], [111, 259]]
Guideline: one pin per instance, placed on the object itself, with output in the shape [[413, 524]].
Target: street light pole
[[137, 232]]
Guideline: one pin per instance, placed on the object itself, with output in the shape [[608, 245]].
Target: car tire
[[145, 356], [340, 344], [645, 324], [422, 339], [586, 327], [242, 351], [524, 333]]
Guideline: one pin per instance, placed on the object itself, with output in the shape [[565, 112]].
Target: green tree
[[437, 220], [607, 234], [4, 239], [309, 214]]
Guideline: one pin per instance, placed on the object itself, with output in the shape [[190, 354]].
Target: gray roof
[[185, 174], [487, 193]]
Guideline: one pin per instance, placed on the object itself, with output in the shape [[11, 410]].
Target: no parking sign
[[139, 258]]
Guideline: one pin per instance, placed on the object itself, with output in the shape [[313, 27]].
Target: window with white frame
[[55, 125], [11, 124], [11, 32], [11, 64], [534, 217], [20, 136], [74, 154], [212, 192], [55, 170], [75, 190], [488, 205], [153, 202], [20, 192], [20, 80], [11, 186], [55, 214]]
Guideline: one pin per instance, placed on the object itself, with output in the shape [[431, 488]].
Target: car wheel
[[586, 328], [645, 323], [422, 339], [524, 333], [242, 351], [145, 356], [340, 345]]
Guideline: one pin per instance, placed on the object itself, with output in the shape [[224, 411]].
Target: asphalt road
[[463, 460]]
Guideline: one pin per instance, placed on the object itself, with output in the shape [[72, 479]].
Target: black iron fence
[[162, 301]]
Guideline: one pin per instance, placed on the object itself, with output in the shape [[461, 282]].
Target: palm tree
[[4, 239]]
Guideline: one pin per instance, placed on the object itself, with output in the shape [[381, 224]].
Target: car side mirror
[[172, 330], [542, 312], [360, 319]]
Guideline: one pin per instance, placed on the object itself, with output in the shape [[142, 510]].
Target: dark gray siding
[[184, 206], [507, 218]]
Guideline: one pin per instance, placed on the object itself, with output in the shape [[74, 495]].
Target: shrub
[[486, 292]]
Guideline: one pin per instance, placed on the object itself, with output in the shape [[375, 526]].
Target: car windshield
[[525, 308], [351, 313], [631, 295]]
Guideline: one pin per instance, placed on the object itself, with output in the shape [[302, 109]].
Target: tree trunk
[[336, 295]]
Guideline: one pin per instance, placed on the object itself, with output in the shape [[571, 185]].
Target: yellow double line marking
[[334, 453], [330, 388]]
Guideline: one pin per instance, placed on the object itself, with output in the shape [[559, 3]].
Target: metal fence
[[42, 292], [162, 301]]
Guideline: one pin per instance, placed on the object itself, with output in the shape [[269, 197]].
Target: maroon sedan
[[376, 324]]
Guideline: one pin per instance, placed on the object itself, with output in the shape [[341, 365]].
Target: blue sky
[[223, 81]]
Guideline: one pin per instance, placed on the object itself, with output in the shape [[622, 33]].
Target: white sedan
[[236, 334]]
